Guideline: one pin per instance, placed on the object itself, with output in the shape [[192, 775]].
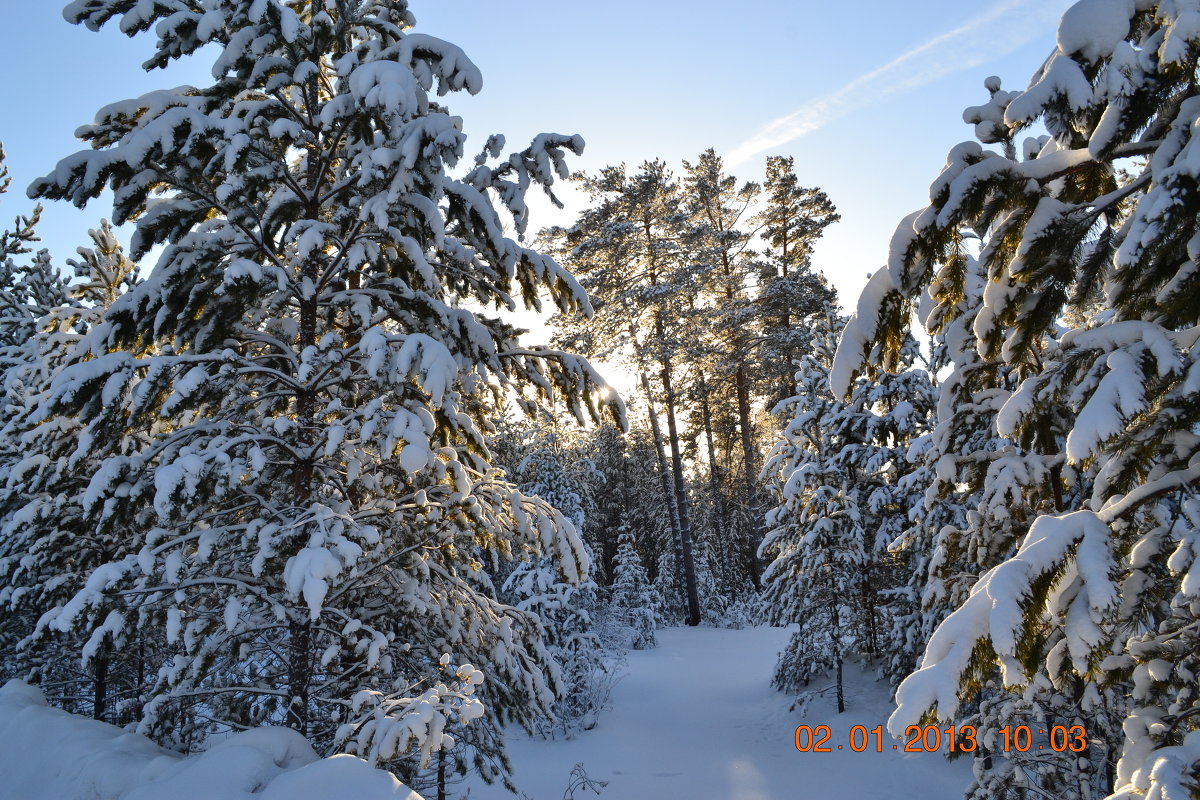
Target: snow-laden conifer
[[816, 539], [47, 549], [845, 487], [311, 360], [792, 292], [1099, 213], [632, 596], [565, 609]]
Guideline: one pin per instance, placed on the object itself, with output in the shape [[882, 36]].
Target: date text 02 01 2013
[[956, 738]]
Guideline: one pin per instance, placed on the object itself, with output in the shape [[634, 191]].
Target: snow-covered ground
[[48, 754], [697, 718]]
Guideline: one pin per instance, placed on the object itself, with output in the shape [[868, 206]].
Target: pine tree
[[680, 297], [627, 251], [565, 612], [844, 487], [749, 304], [28, 291], [17, 240], [628, 495], [301, 527], [792, 293], [548, 469], [46, 552], [817, 537], [1095, 602], [632, 596], [665, 586], [724, 340], [883, 421]]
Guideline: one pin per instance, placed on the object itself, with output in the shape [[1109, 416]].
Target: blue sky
[[867, 96]]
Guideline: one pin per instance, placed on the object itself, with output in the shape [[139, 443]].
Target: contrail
[[996, 32]]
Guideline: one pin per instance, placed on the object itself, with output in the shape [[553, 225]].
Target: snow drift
[[48, 754]]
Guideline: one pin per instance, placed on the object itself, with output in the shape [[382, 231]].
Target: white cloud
[[996, 32]]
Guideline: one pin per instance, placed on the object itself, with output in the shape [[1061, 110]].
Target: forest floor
[[697, 719]]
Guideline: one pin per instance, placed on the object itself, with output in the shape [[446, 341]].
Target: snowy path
[[696, 719]]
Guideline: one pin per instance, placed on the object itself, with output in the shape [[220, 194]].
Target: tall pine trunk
[[715, 484], [749, 465], [681, 501], [664, 472], [745, 412]]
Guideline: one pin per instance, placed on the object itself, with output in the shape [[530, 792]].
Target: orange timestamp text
[[955, 738]]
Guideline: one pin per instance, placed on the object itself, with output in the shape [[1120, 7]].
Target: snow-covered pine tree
[[845, 487], [103, 273], [715, 594], [609, 450], [565, 609], [312, 363], [791, 292], [722, 339], [46, 549], [28, 290], [1100, 596], [816, 539], [627, 249], [666, 587], [19, 239], [882, 421], [551, 470], [632, 596], [565, 612], [943, 562], [983, 490]]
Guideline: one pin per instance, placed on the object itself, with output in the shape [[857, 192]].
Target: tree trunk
[[299, 676], [299, 666], [715, 482], [664, 476], [685, 526], [441, 775], [841, 695], [835, 619], [664, 472], [100, 684], [1050, 447], [684, 529], [870, 606], [749, 467]]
